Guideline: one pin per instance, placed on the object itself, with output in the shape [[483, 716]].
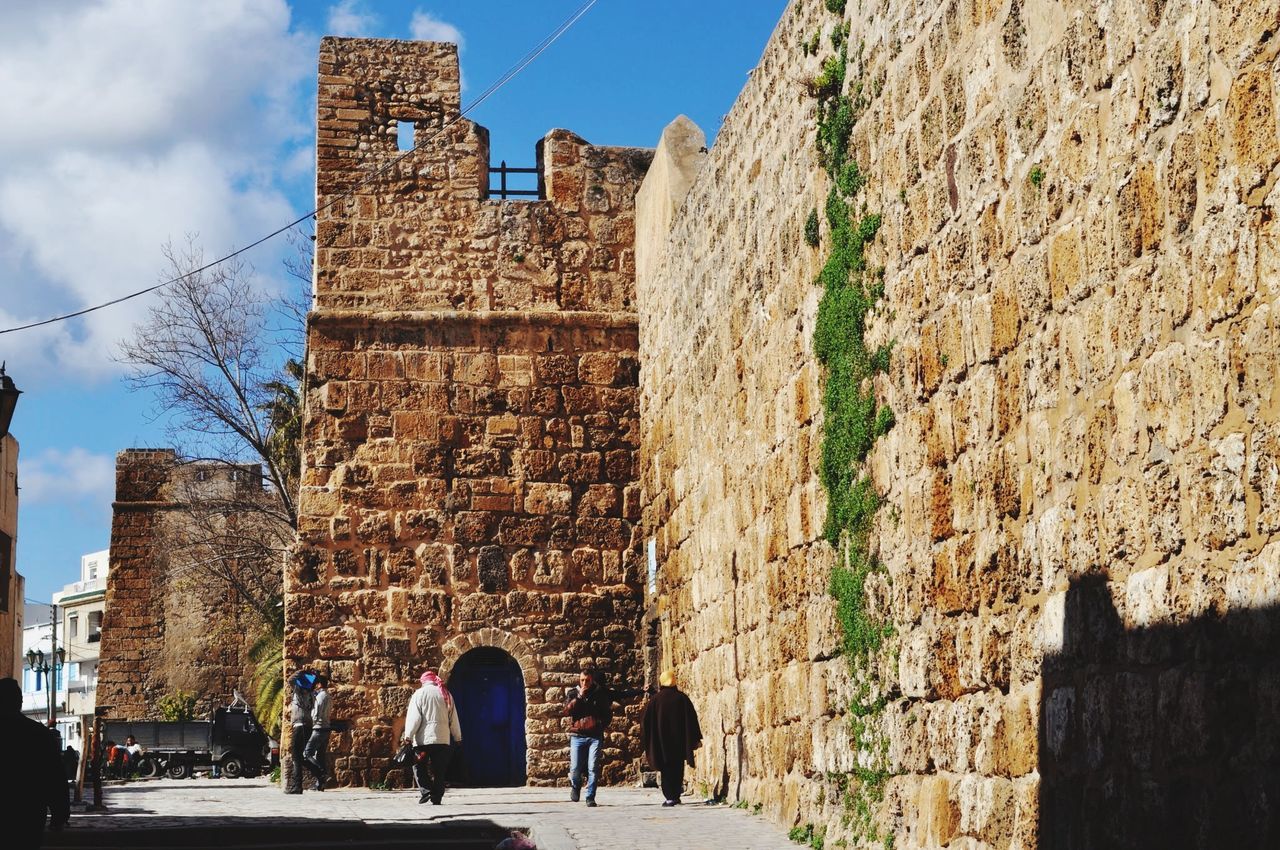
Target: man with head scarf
[[431, 725], [31, 774], [670, 733]]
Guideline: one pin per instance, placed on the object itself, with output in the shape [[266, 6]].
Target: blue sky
[[129, 123]]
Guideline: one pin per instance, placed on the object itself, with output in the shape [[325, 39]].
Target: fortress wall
[[1080, 516], [470, 429]]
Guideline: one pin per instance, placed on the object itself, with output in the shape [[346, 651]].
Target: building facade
[[45, 694], [11, 582], [468, 492], [80, 608]]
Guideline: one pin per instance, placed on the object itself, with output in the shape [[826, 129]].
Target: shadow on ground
[[196, 833]]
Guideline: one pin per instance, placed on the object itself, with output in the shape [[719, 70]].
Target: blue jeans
[[584, 757]]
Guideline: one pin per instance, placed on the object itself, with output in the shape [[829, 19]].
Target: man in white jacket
[[431, 725]]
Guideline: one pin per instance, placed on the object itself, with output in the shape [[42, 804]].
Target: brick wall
[[470, 432]]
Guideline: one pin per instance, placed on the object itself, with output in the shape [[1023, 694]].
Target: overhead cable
[[515, 69]]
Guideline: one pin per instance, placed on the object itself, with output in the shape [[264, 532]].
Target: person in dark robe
[[31, 774], [670, 733]]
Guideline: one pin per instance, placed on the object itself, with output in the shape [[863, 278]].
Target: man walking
[[670, 733], [590, 710], [31, 774], [431, 725], [316, 752]]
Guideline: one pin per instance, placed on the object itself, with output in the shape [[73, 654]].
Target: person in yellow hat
[[670, 733]]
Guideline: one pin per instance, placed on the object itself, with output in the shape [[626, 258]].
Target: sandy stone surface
[[1079, 244]]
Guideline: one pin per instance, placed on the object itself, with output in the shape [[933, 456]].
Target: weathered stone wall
[[12, 583], [471, 425], [1079, 525], [167, 627]]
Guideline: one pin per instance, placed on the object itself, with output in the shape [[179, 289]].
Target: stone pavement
[[626, 817]]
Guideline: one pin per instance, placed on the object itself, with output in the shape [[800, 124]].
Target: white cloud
[[351, 18], [55, 477], [426, 27], [129, 123]]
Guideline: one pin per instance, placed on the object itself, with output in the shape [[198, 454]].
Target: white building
[[79, 607], [37, 636]]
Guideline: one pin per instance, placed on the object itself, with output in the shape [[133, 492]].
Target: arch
[[489, 692], [530, 671], [460, 645]]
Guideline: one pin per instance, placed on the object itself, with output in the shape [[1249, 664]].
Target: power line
[[515, 69]]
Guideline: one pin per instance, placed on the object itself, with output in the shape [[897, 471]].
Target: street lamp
[[9, 393], [49, 666]]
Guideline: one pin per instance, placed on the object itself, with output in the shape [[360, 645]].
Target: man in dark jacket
[[30, 772], [670, 733], [590, 709]]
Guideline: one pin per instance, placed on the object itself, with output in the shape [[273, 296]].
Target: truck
[[233, 740]]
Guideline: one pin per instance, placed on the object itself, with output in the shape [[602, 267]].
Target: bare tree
[[223, 363], [209, 354]]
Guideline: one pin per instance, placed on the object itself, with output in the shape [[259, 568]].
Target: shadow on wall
[[1166, 736]]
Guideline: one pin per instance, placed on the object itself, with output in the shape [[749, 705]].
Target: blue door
[[488, 689]]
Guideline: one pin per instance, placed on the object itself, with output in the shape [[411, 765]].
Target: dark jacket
[[36, 785], [591, 711], [669, 729]]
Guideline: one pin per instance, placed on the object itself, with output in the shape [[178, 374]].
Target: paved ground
[[253, 812]]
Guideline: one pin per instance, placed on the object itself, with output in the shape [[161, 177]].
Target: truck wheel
[[232, 767], [149, 768], [179, 770]]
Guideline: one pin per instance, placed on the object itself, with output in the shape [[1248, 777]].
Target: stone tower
[[168, 626], [468, 483]]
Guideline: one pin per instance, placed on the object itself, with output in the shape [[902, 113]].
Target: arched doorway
[[488, 689]]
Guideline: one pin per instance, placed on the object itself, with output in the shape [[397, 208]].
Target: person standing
[[71, 766], [301, 704], [431, 725], [590, 710], [316, 752], [31, 773], [670, 733]]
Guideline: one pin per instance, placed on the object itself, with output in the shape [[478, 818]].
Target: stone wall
[[12, 584], [1079, 527], [471, 427], [167, 626]]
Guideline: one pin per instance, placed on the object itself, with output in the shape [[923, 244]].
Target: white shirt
[[431, 719], [320, 711]]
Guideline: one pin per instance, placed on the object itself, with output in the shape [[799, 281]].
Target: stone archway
[[460, 645], [492, 676]]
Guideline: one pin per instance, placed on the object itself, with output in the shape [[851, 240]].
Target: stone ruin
[[167, 627], [469, 452]]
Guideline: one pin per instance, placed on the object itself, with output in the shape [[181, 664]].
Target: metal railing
[[503, 192]]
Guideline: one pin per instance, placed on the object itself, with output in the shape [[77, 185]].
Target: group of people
[[122, 759], [309, 709], [669, 732]]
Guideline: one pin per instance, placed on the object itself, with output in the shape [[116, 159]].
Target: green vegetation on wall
[[853, 420]]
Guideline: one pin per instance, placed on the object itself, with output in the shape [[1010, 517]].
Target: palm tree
[[267, 654]]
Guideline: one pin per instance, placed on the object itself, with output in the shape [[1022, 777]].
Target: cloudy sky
[[126, 124]]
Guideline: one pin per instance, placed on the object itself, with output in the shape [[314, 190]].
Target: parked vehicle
[[233, 740]]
